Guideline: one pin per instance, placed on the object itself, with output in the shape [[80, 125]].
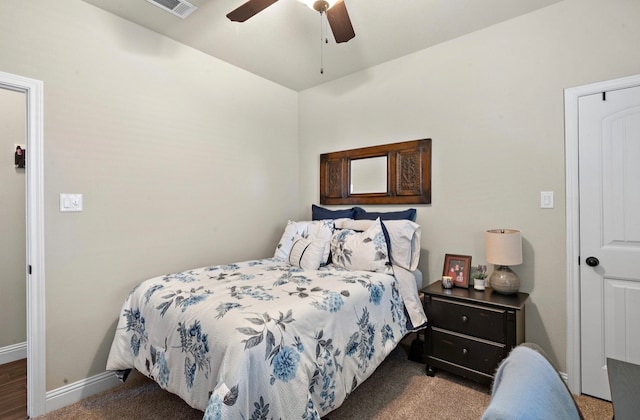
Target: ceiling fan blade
[[340, 23], [249, 9]]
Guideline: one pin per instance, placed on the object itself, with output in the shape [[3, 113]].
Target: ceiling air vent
[[179, 8]]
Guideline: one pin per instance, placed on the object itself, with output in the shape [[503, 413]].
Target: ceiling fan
[[335, 10]]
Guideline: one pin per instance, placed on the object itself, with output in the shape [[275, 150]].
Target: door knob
[[592, 261]]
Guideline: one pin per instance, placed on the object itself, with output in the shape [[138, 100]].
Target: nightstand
[[470, 331]]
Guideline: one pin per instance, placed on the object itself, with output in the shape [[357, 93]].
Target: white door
[[609, 172]]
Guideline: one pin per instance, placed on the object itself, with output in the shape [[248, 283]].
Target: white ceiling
[[283, 44]]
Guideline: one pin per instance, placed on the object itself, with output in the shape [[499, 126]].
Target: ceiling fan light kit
[[319, 5]]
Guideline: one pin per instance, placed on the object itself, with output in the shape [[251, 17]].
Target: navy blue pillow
[[408, 214], [320, 213]]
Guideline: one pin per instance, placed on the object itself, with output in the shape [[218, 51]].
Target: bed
[[284, 337]]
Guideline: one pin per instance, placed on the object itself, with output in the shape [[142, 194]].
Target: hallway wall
[[12, 221]]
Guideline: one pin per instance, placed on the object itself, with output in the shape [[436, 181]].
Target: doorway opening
[[36, 386]]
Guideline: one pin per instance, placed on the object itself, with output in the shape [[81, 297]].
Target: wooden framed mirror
[[397, 173]]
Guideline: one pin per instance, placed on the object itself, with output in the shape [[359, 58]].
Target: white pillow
[[404, 239], [306, 253], [360, 225], [365, 251], [286, 241], [404, 236], [352, 224], [341, 223], [317, 229]]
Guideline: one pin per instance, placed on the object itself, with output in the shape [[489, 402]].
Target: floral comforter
[[260, 339]]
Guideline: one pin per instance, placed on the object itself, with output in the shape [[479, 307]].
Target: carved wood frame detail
[[408, 174]]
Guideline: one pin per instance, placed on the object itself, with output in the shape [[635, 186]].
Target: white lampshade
[[312, 3], [503, 246]]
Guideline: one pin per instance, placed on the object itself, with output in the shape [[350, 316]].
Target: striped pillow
[[306, 253]]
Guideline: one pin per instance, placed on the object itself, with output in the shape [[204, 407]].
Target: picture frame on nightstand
[[458, 267]]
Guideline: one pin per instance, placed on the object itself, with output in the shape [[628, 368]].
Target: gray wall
[[13, 327], [186, 161], [183, 161], [492, 101]]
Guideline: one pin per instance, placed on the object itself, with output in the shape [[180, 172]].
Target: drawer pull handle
[[465, 318], [465, 352]]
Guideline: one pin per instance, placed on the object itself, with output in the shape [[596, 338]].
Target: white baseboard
[[13, 352], [72, 393]]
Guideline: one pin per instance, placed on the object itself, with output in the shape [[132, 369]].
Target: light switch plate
[[546, 199], [70, 202]]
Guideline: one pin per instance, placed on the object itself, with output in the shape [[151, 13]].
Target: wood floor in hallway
[[13, 390]]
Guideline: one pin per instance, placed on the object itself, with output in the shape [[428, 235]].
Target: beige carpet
[[398, 389]]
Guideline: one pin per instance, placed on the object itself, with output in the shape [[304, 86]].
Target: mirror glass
[[368, 175]]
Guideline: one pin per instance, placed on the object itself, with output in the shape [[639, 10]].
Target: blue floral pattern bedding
[[260, 339]]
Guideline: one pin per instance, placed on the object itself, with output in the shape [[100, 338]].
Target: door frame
[[572, 185], [36, 356]]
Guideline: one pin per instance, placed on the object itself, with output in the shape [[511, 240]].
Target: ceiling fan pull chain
[[326, 31], [322, 35]]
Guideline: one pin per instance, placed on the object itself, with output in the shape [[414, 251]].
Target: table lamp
[[503, 248]]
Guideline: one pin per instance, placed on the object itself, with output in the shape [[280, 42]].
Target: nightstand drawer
[[465, 351], [482, 322]]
